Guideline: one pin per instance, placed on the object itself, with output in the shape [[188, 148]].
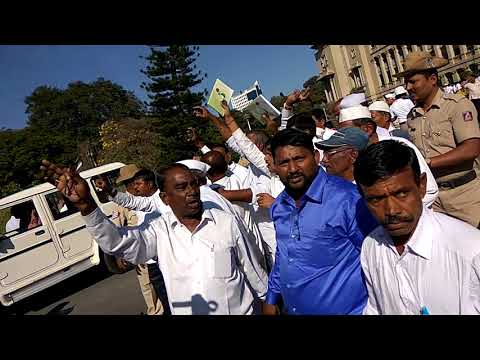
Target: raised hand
[[70, 184], [298, 96], [201, 112], [193, 138], [304, 94], [226, 108]]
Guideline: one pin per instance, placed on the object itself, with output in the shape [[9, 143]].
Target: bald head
[[218, 165]]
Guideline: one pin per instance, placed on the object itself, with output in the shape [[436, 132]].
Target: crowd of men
[[377, 216]]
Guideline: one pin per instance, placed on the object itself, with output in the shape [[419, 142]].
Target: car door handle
[[40, 232]]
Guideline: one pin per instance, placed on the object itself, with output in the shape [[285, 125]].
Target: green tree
[[172, 76], [59, 122], [81, 108]]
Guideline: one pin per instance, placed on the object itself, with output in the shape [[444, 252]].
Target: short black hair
[[163, 173], [218, 145], [302, 122], [146, 175], [384, 159], [291, 137]]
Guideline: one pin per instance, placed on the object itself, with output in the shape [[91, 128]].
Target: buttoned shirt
[[439, 269], [400, 109], [317, 266], [205, 271], [450, 120]]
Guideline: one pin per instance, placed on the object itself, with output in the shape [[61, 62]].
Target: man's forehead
[[179, 175], [401, 178], [290, 150]]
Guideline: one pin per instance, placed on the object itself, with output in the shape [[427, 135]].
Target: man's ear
[[317, 156], [354, 154], [423, 185], [164, 197]]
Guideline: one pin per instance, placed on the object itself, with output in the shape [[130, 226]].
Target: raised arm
[[202, 113], [293, 98], [135, 245], [247, 147]]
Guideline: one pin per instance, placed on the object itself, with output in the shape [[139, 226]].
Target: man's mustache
[[294, 175], [395, 219]]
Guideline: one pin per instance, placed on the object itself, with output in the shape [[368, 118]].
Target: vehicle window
[[19, 218], [110, 176], [60, 206]]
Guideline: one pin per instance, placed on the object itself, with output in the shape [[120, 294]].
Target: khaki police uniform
[[449, 121], [125, 217]]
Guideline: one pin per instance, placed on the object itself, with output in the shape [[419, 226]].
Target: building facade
[[370, 68]]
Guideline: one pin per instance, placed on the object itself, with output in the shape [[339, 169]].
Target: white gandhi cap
[[195, 165], [353, 113], [352, 100], [379, 106], [399, 90], [390, 96]]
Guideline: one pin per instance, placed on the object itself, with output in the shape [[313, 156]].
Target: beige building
[[349, 68]]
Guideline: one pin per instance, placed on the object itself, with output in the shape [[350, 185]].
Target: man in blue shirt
[[320, 223]]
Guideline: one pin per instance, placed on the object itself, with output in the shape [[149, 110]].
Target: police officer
[[443, 127]]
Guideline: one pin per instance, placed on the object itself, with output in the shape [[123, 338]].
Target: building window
[[443, 50], [409, 48], [456, 50], [379, 72], [400, 52], [317, 55], [470, 48], [394, 61], [387, 68]]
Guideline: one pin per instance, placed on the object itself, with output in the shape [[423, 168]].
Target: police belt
[[462, 180]]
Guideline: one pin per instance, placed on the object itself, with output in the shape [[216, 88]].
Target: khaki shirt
[[450, 120]]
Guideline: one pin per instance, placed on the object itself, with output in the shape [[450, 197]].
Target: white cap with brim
[[354, 113], [399, 90], [195, 165], [390, 96], [352, 100], [379, 106]]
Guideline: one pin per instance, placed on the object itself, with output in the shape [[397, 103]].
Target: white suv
[[43, 239]]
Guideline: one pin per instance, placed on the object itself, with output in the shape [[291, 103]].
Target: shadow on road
[[58, 292]]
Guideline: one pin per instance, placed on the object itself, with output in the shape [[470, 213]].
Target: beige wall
[[342, 60]]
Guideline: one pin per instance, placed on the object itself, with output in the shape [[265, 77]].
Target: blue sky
[[23, 68]]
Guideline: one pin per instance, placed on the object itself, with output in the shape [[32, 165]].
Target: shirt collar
[[207, 215], [421, 241], [315, 191], [435, 103]]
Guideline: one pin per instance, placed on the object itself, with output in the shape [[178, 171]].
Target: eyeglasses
[[330, 153]]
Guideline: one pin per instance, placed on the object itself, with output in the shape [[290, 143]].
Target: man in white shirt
[[206, 264], [360, 117], [260, 178], [401, 107], [419, 262], [472, 88], [380, 112], [149, 275]]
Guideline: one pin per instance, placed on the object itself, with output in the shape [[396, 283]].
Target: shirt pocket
[[439, 130], [221, 263], [317, 249]]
